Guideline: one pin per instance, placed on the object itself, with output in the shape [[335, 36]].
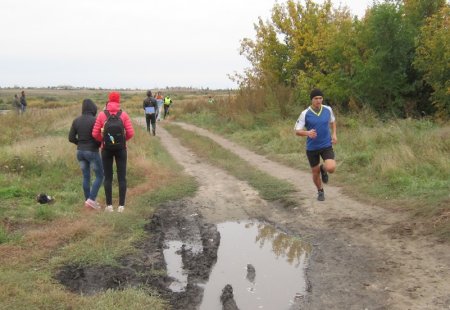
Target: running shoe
[[321, 195], [323, 174]]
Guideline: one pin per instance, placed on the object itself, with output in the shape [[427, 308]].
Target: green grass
[[10, 237], [126, 299], [36, 240]]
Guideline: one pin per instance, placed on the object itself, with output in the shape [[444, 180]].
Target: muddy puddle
[[264, 266], [190, 262]]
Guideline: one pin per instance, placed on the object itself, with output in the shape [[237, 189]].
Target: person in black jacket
[[150, 106], [87, 152]]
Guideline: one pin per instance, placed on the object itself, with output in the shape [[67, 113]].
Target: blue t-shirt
[[319, 121]]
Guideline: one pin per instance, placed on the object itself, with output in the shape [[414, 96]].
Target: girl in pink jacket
[[117, 154]]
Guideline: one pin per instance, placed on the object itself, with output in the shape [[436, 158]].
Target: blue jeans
[[158, 114], [90, 160]]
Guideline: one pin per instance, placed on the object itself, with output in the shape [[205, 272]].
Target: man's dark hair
[[315, 92]]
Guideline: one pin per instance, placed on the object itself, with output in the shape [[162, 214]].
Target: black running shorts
[[314, 156]]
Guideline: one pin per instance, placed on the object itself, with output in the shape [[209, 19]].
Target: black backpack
[[113, 132]]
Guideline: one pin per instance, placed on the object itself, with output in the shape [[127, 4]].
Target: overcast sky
[[129, 43]]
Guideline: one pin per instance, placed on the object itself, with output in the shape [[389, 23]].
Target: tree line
[[394, 60]]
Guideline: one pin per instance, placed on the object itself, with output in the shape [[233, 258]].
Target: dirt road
[[364, 256]]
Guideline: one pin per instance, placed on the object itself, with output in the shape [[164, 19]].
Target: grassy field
[[36, 240], [401, 164]]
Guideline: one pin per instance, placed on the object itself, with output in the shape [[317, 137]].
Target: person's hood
[[89, 107], [113, 107]]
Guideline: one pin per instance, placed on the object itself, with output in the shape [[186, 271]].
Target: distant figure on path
[[87, 152], [16, 104], [23, 102], [167, 104], [113, 128], [159, 100], [317, 119], [150, 107]]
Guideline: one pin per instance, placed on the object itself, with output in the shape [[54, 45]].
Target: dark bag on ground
[[113, 132]]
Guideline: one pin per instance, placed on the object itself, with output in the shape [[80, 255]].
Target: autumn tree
[[432, 59], [358, 62]]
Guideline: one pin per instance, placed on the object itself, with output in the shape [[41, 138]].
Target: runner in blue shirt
[[314, 123]]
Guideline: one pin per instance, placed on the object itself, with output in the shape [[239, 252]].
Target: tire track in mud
[[365, 257]]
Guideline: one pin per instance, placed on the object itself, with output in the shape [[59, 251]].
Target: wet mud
[[174, 231], [148, 268]]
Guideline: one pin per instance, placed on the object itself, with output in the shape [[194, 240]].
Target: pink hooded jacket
[[113, 106]]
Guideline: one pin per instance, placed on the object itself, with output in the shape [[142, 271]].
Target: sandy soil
[[364, 256]]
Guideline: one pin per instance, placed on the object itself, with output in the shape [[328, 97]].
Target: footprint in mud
[[251, 273], [227, 298]]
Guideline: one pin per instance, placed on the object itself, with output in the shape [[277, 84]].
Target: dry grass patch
[[38, 242], [48, 148], [153, 175], [442, 218], [60, 231]]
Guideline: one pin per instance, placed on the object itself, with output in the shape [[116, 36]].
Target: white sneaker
[[109, 208], [91, 204], [121, 209]]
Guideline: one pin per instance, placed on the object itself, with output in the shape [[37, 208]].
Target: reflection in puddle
[[175, 266], [264, 266], [174, 263]]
